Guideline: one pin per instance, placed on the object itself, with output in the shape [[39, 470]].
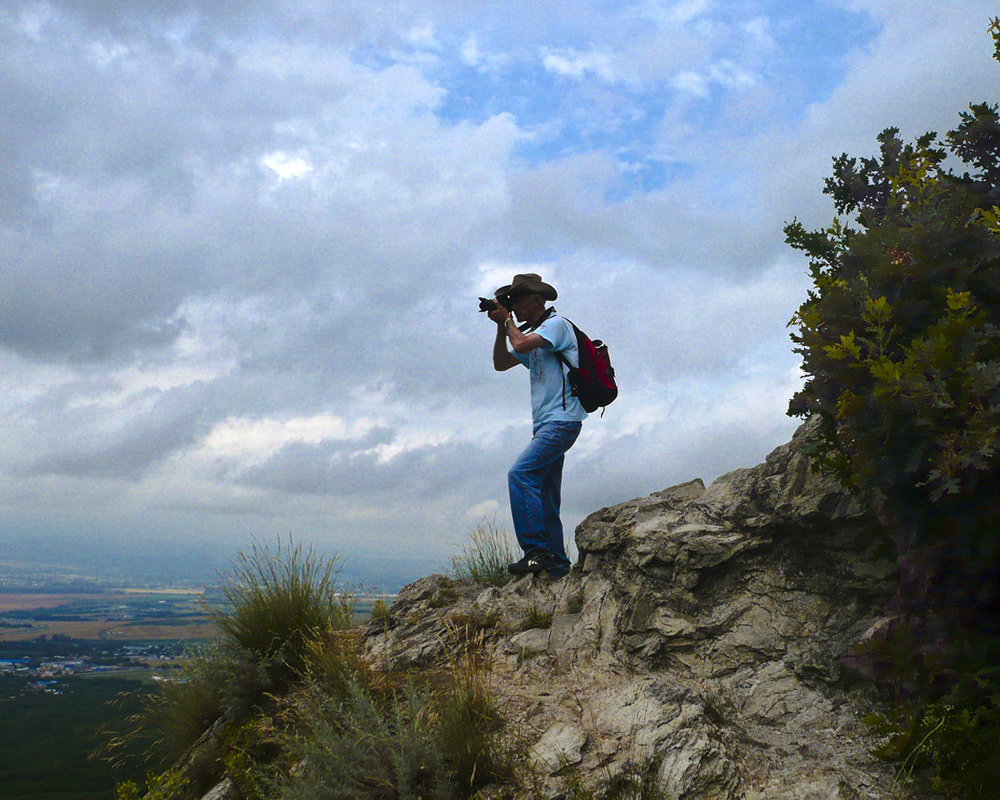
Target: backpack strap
[[569, 367], [527, 327]]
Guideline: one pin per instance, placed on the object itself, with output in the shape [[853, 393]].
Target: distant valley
[[77, 653]]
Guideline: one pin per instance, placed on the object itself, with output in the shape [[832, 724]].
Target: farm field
[[123, 615]]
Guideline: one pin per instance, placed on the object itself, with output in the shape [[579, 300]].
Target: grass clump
[[484, 558], [440, 744], [282, 623], [380, 611], [285, 706], [355, 750], [278, 601], [538, 618], [636, 781], [437, 733]]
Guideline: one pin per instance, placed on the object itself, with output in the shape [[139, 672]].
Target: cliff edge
[[701, 633]]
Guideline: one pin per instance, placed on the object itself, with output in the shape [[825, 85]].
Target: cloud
[[243, 244]]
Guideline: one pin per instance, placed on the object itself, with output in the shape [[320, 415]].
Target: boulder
[[701, 635]]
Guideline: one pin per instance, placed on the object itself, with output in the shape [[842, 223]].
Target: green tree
[[899, 336], [900, 345]]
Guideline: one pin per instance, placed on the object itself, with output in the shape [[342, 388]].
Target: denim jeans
[[535, 483]]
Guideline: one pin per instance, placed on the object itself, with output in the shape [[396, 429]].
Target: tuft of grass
[[380, 610], [168, 786], [283, 622], [278, 601], [538, 618], [469, 723], [635, 782], [484, 558], [476, 619]]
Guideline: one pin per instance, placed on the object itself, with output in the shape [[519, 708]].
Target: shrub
[[485, 557], [277, 602], [900, 339], [352, 750], [283, 622]]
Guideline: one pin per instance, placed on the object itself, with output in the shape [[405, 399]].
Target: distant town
[[48, 674]]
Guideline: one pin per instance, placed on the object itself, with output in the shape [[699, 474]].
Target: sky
[[243, 241]]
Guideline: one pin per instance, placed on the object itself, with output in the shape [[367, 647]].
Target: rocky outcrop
[[702, 631]]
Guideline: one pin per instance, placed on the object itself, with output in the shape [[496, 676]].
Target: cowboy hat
[[527, 283]]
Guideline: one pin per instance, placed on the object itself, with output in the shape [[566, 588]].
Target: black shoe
[[534, 562]]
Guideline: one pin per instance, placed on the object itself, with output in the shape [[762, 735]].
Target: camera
[[490, 304]]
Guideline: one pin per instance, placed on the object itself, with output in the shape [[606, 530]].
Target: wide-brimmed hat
[[527, 283]]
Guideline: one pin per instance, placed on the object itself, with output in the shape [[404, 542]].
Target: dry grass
[[484, 558]]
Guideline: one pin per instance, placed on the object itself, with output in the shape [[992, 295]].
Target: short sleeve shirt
[[551, 400]]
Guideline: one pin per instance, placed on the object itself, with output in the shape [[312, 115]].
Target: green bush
[[283, 622], [900, 341], [353, 750], [279, 601], [484, 558]]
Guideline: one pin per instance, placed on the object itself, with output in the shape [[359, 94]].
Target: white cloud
[[470, 52], [242, 251], [691, 82], [286, 165], [578, 65], [256, 439]]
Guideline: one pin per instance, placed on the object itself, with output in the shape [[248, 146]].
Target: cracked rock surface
[[702, 631]]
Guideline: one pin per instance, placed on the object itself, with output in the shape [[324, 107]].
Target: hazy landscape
[[77, 651]]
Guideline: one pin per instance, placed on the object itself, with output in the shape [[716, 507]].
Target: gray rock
[[558, 748], [701, 633], [222, 791], [530, 642]]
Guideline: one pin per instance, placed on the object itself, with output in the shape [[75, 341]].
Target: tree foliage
[[899, 337], [900, 343]]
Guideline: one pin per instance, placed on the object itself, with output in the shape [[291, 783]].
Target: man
[[535, 479]]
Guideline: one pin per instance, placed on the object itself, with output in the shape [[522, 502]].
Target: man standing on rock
[[535, 480]]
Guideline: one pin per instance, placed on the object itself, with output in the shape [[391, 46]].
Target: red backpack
[[593, 382]]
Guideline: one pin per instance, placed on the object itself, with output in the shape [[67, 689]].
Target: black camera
[[490, 304]]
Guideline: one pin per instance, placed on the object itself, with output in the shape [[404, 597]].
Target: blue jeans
[[535, 483]]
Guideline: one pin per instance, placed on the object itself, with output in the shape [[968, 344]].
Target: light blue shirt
[[551, 400]]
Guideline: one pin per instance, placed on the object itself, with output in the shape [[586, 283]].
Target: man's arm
[[522, 343], [502, 358]]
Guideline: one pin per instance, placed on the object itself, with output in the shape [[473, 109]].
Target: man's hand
[[499, 314]]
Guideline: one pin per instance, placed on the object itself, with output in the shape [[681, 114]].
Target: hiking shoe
[[534, 562]]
